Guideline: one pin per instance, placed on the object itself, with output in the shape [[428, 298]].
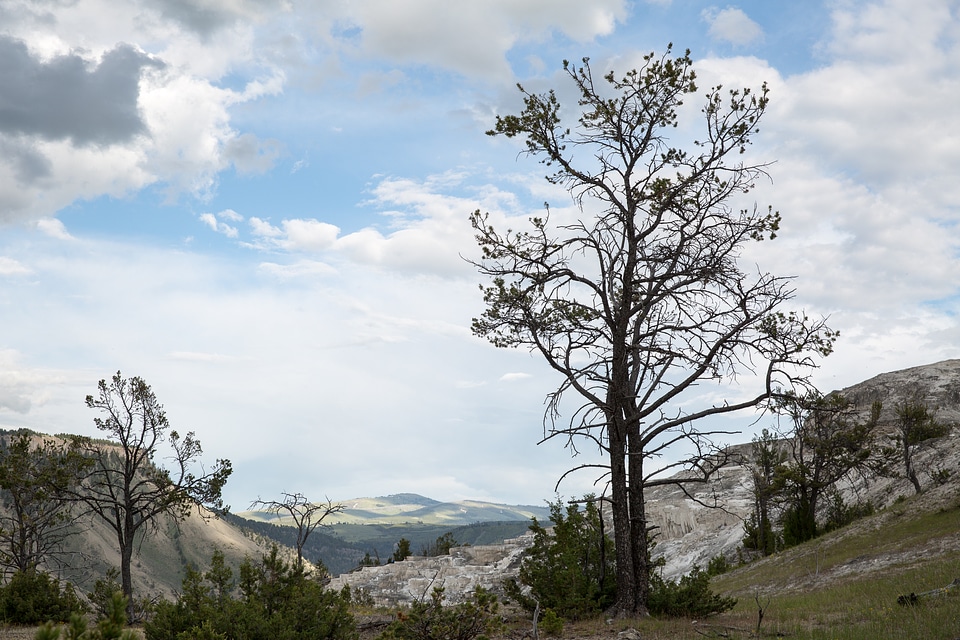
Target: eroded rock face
[[690, 533], [459, 573]]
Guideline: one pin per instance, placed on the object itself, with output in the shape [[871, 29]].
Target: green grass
[[809, 592]]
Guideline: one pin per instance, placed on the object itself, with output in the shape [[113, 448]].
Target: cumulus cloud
[[11, 267], [89, 113], [309, 235], [250, 154], [67, 97], [212, 221], [53, 228], [26, 164], [473, 38], [426, 229], [732, 25], [206, 16], [86, 112], [21, 387]]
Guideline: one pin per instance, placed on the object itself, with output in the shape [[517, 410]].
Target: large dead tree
[[641, 301]]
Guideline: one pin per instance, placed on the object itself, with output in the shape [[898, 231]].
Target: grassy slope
[[841, 586], [845, 585]]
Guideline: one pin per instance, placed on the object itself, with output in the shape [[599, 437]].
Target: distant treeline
[[341, 547]]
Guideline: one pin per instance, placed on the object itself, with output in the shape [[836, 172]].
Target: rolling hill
[[374, 526], [411, 508]]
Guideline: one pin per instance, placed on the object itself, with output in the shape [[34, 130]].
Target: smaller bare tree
[[306, 515], [916, 423]]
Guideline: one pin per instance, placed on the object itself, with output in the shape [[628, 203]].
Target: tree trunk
[[126, 558], [626, 577], [908, 461], [640, 533]]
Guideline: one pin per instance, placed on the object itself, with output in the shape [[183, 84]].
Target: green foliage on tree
[[271, 600], [33, 597], [125, 488], [440, 547], [569, 569], [829, 441], [916, 424], [369, 561], [635, 296], [37, 476], [109, 627], [430, 619], [766, 462], [569, 572], [689, 597], [402, 551]]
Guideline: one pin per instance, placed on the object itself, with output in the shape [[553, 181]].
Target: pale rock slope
[[689, 533]]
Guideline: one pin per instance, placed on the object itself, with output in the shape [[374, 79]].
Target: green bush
[[551, 624], [691, 597], [430, 620], [273, 600], [110, 627], [32, 597], [569, 570], [839, 514]]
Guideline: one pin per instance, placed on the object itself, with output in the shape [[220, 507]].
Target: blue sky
[[260, 206]]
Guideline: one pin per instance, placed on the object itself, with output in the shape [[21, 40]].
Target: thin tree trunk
[[640, 533], [911, 472], [126, 558], [626, 579]]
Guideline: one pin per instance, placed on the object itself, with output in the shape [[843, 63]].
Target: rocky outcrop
[[690, 533], [459, 573]]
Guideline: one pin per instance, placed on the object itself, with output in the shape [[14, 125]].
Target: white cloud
[[231, 215], [212, 221], [299, 269], [511, 377], [263, 229], [251, 155], [427, 232], [309, 235], [474, 38], [732, 25], [193, 356], [170, 127], [22, 388], [11, 267], [53, 228]]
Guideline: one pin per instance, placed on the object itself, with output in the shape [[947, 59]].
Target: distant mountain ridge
[[412, 508], [688, 533]]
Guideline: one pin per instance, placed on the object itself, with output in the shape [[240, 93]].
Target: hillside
[[410, 508], [160, 559], [689, 533], [692, 534], [374, 526]]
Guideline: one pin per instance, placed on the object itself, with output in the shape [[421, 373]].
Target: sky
[[261, 208]]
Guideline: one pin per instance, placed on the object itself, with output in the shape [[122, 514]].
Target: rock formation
[[688, 533]]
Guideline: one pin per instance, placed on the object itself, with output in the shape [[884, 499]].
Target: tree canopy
[[125, 487], [640, 300]]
